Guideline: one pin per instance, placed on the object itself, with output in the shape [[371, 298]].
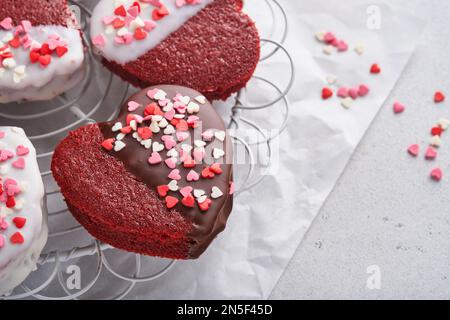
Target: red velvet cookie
[[208, 45], [157, 180]]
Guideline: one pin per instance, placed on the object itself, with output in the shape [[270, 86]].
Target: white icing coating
[[18, 260], [124, 53], [39, 83]]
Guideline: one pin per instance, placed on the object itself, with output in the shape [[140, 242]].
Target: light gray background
[[384, 210]]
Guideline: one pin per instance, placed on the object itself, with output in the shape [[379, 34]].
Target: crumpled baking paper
[[269, 221]]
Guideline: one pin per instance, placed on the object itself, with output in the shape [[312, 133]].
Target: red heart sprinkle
[[45, 49], [45, 60], [61, 51], [436, 131], [19, 222], [118, 23], [439, 97], [375, 69], [188, 201], [162, 190], [10, 202], [108, 144], [207, 173], [15, 43], [145, 133], [160, 13], [126, 129], [34, 56], [140, 34], [327, 93], [216, 168], [182, 125], [204, 206], [171, 202], [120, 11], [150, 109], [17, 238], [158, 111], [189, 163]]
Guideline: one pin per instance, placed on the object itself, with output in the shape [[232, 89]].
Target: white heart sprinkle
[[157, 118], [154, 127], [19, 204], [185, 100], [359, 49], [179, 116], [120, 136], [119, 145], [169, 130], [168, 107], [201, 199], [198, 193], [199, 143], [172, 153], [116, 127], [216, 192], [147, 143], [218, 153], [163, 123], [133, 125], [186, 147], [20, 70], [435, 141], [9, 63], [109, 29], [122, 31], [200, 99], [320, 35], [157, 147], [347, 102], [220, 135], [160, 95], [327, 50], [193, 108], [173, 185]]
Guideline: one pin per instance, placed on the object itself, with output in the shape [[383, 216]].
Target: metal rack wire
[[76, 113]]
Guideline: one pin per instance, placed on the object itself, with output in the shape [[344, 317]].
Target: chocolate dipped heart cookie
[[156, 181]]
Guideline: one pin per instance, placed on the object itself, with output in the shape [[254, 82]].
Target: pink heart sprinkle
[[169, 142], [342, 92], [163, 102], [2, 134], [128, 38], [329, 37], [208, 135], [180, 3], [342, 46], [149, 25], [155, 158], [133, 106], [19, 163], [133, 11], [12, 190], [174, 175], [6, 23], [192, 176], [171, 162], [353, 93], [199, 154], [181, 136], [99, 40], [398, 107], [109, 20], [414, 150], [26, 25], [3, 224], [186, 191], [430, 154], [170, 114], [363, 90], [152, 93], [436, 174], [22, 150]]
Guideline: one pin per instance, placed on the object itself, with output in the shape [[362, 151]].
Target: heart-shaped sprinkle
[[19, 222], [220, 135], [353, 93], [204, 205], [119, 145], [6, 23], [207, 173], [359, 49], [192, 176], [329, 37], [216, 168], [202, 199], [331, 79], [162, 190], [198, 193], [173, 185], [169, 142], [430, 154], [133, 106], [216, 192], [19, 163], [342, 92], [155, 158], [327, 93], [199, 154], [435, 141], [414, 150], [186, 191], [108, 144], [200, 99], [208, 135], [173, 153], [347, 102], [116, 127], [188, 201], [140, 34], [17, 238], [182, 136], [157, 147], [174, 175], [218, 153], [120, 11], [342, 46], [363, 90], [45, 60], [171, 162], [61, 51], [160, 13], [439, 97], [22, 151], [398, 107], [327, 49], [375, 69], [188, 162], [192, 107], [171, 202], [436, 174], [436, 131], [147, 143]]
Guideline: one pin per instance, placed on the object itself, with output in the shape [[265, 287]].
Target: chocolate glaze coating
[[205, 225]]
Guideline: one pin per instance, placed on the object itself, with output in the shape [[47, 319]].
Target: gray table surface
[[384, 210]]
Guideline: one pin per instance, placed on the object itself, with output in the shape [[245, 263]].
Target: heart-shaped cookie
[[208, 45], [143, 199]]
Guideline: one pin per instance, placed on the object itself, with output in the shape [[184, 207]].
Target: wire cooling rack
[[96, 99]]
